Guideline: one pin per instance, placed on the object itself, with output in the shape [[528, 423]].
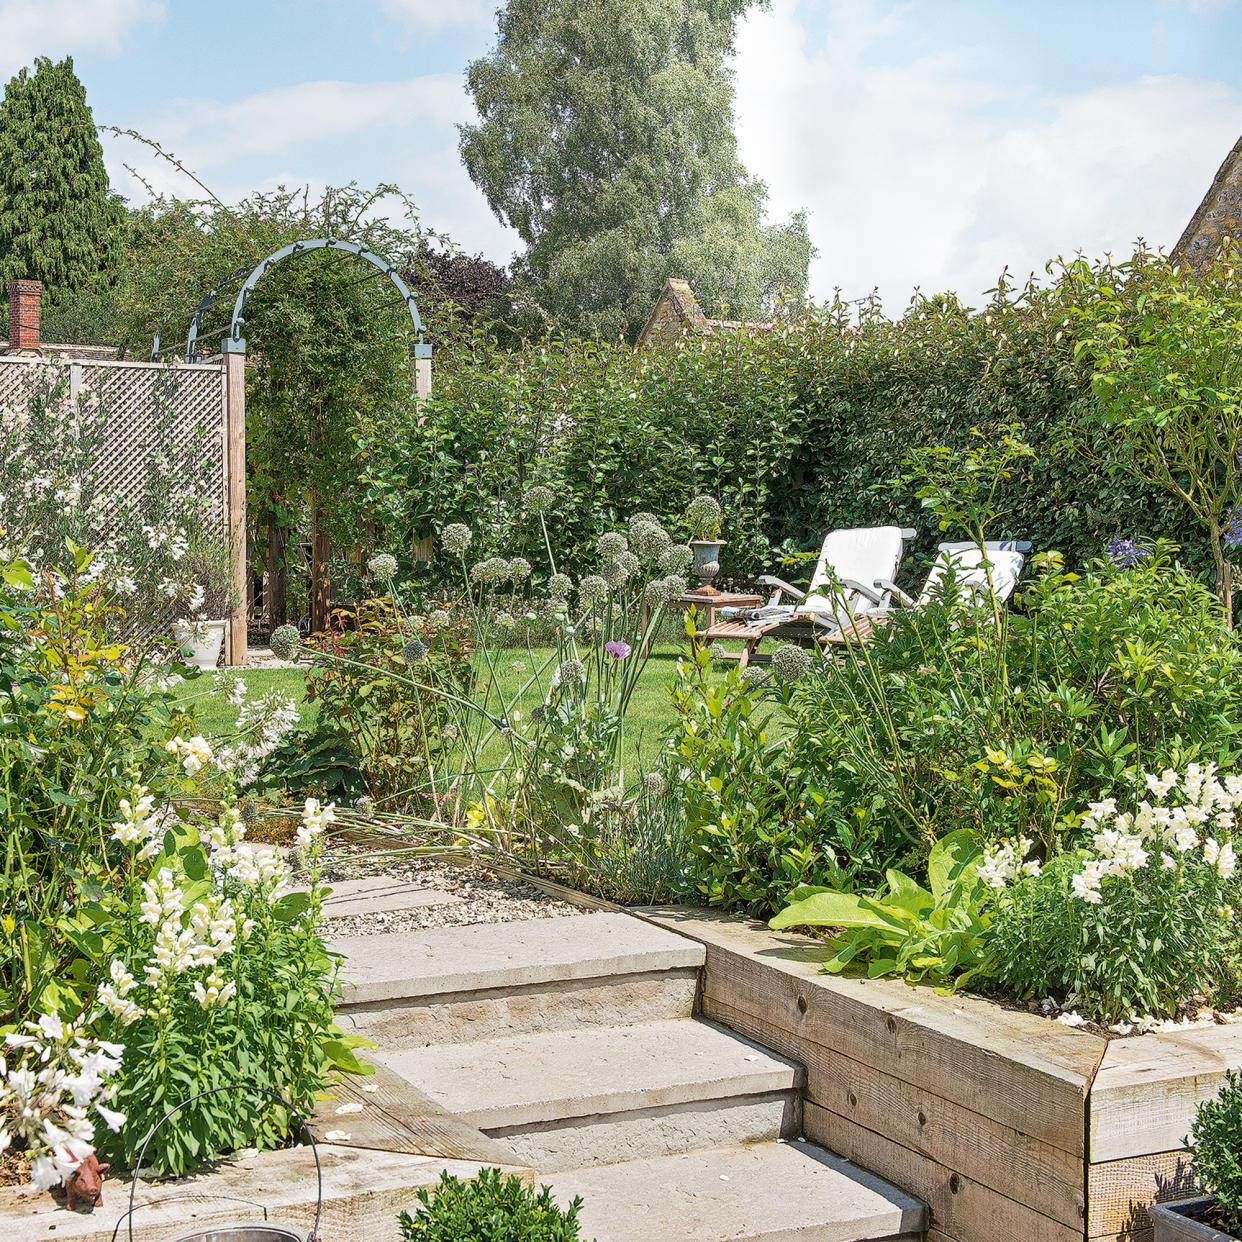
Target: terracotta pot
[[1175, 1222], [203, 640]]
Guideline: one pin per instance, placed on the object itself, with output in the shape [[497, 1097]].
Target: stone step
[[450, 985], [569, 1098], [770, 1192]]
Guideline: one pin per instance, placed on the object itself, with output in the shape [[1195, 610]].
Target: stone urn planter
[[1177, 1222], [202, 639], [706, 559]]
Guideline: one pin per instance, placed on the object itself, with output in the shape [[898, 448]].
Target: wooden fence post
[[235, 474]]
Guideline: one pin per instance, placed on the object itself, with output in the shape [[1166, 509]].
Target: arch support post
[[234, 352], [422, 373]]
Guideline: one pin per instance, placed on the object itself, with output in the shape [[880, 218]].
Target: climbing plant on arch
[[333, 354]]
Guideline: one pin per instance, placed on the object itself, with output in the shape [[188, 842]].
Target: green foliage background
[[797, 431]]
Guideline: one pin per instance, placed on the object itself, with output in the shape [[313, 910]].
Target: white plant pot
[[203, 639]]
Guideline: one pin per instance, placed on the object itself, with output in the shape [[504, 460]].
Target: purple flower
[[617, 650], [1232, 533], [1127, 552]]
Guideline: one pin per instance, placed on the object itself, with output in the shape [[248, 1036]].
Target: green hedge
[[796, 431]]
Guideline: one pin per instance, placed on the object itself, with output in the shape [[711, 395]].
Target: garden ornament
[[85, 1184]]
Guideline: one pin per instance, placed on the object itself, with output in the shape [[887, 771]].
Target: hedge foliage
[[797, 431]]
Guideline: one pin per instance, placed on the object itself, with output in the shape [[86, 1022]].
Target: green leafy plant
[[395, 730], [937, 934], [757, 818], [955, 716], [1163, 340], [82, 717], [1215, 1146], [490, 1208]]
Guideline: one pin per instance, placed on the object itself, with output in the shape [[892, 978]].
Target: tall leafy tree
[[58, 220], [605, 139]]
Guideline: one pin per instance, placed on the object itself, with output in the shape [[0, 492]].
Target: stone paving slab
[[772, 1192], [594, 1070], [381, 894], [483, 956]]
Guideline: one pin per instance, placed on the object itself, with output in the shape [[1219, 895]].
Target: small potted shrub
[[1215, 1145], [705, 517], [490, 1208], [204, 596]]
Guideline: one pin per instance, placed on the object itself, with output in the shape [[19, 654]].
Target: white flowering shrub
[[1136, 923], [53, 1077], [151, 552], [82, 720], [211, 970]]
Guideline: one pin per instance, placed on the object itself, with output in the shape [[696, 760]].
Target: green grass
[[650, 711]]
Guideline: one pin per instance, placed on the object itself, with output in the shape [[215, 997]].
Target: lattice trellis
[[165, 419], [169, 413]]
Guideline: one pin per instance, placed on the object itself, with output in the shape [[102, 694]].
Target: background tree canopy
[[605, 138]]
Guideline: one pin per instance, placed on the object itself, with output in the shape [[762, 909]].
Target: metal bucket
[[262, 1231], [248, 1233]]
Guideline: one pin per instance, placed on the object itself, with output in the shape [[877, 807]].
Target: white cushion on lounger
[[863, 554], [1006, 569]]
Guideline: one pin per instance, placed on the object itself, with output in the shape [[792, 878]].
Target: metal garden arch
[[233, 351]]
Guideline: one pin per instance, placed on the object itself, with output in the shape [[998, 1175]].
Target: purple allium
[[1127, 552], [618, 650]]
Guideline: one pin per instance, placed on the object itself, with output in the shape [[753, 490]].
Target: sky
[[932, 142]]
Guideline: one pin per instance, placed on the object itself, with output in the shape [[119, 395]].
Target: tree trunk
[[1224, 575], [321, 590], [277, 573]]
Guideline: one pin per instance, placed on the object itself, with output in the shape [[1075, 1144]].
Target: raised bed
[[1012, 1127]]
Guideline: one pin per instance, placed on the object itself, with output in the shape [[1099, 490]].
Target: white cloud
[[55, 28], [318, 133], [433, 16], [935, 173]]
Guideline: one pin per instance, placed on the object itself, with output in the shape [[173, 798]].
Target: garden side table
[[706, 600]]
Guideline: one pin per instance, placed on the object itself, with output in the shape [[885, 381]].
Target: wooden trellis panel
[[167, 418], [154, 412]]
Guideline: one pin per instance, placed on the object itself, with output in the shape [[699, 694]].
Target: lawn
[[649, 715]]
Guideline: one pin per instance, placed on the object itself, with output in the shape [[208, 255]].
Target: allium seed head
[[611, 544], [592, 590], [383, 565], [539, 499], [676, 559], [285, 642], [456, 537], [790, 663]]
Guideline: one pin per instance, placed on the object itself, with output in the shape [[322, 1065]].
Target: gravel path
[[484, 896]]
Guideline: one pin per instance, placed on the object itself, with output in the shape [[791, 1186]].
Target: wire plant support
[[237, 1233]]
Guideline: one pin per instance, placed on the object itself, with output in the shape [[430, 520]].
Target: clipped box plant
[[491, 1208], [1215, 1143]]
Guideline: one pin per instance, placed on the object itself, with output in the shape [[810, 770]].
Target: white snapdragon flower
[[162, 901], [195, 752], [1226, 862], [314, 820], [1086, 884]]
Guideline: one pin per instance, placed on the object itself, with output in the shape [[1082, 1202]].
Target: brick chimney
[[24, 315]]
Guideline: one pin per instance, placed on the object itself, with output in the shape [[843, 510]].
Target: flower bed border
[[1009, 1125]]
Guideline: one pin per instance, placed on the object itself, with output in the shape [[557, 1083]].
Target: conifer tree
[[58, 220]]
